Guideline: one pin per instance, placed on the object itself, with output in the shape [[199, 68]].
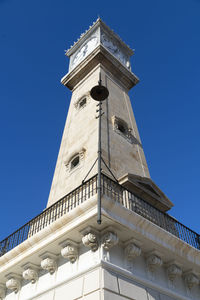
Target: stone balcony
[[135, 240]]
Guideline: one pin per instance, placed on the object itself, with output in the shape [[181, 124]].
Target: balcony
[[112, 190]]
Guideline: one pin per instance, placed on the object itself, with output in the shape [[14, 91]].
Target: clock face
[[113, 48], [85, 50]]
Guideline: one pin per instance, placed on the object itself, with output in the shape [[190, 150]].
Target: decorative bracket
[[90, 238], [153, 261], [48, 262], [14, 282], [173, 270], [109, 238], [31, 272], [69, 250], [191, 279], [132, 250]]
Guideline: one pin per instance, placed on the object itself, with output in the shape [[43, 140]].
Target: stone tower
[[138, 252]]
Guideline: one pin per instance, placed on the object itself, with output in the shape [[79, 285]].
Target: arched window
[[75, 160]]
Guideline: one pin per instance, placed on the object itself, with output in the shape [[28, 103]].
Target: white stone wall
[[81, 136]]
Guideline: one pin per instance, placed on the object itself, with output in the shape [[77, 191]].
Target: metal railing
[[51, 214], [112, 190], [126, 198]]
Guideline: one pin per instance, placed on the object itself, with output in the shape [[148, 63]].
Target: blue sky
[[33, 37]]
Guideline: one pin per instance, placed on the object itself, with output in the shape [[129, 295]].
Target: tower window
[[121, 127], [75, 162], [82, 102]]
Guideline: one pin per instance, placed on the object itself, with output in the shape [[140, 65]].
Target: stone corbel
[[48, 262], [191, 279], [2, 291], [90, 238], [132, 249], [14, 282], [173, 271], [109, 238], [31, 272], [153, 261], [69, 250]]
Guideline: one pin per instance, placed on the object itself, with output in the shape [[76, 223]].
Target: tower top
[[99, 45], [99, 34]]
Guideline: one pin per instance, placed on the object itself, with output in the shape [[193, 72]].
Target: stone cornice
[[100, 56]]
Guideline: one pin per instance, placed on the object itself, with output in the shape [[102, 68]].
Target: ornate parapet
[[2, 291], [14, 282], [90, 238], [109, 239], [31, 272], [48, 262], [191, 279], [69, 250]]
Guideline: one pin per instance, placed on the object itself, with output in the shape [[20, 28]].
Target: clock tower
[[138, 251]]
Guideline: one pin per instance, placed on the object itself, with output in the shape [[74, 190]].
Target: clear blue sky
[[33, 37]]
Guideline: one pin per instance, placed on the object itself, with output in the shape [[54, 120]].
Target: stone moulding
[[131, 251], [109, 240], [191, 279], [69, 250], [13, 284], [2, 292]]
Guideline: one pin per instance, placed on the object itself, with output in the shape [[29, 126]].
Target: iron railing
[[112, 190], [126, 198], [51, 214]]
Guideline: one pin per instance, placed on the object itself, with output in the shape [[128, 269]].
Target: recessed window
[[82, 102], [121, 127], [75, 162]]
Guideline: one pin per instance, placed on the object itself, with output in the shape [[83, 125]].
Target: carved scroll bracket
[[191, 279], [90, 238], [69, 250], [48, 262], [109, 238], [30, 272], [14, 282]]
